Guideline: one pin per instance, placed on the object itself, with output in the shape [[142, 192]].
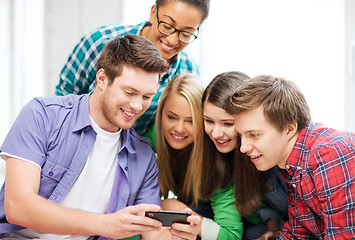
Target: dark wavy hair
[[220, 169]]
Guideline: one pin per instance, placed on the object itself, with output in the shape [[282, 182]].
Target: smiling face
[[179, 15], [219, 126], [176, 120], [120, 104], [261, 141]]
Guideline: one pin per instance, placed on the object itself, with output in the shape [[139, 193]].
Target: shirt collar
[[175, 63], [83, 117], [83, 120], [140, 26], [295, 159], [126, 143]]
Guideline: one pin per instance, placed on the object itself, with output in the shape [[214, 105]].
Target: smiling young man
[[317, 163], [74, 165]]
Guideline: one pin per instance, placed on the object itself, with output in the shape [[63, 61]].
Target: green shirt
[[226, 214], [150, 135]]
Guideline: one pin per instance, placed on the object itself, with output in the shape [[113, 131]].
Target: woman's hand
[[186, 231], [183, 231]]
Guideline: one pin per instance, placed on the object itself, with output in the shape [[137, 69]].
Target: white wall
[[5, 63], [21, 59], [65, 22], [301, 40]]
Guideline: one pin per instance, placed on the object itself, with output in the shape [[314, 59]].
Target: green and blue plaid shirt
[[79, 72]]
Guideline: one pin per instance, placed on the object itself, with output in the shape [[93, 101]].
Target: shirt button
[[126, 168], [299, 168], [50, 173], [70, 103], [287, 167], [294, 185]]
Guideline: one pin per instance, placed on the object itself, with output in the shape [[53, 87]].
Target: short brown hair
[[132, 51], [281, 100]]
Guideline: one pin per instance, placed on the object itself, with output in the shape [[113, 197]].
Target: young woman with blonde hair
[[179, 127]]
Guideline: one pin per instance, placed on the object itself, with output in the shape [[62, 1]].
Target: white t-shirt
[[92, 190]]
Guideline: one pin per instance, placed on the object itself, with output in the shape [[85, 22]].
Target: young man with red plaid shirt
[[317, 163]]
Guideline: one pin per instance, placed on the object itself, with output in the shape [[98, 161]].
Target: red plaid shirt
[[320, 176]]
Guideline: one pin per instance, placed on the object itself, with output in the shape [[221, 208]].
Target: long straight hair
[[173, 178], [217, 169]]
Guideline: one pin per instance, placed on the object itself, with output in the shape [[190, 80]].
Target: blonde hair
[[191, 87]]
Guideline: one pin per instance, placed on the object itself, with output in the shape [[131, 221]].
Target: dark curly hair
[[202, 5]]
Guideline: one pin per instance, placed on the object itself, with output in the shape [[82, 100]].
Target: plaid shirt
[[320, 176], [79, 73]]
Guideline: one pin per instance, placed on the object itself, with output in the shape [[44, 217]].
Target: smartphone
[[169, 217]]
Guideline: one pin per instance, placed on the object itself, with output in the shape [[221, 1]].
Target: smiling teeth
[[129, 113], [253, 157], [177, 137], [167, 47], [224, 141]]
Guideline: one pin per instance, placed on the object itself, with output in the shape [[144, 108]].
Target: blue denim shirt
[[275, 202], [56, 134]]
